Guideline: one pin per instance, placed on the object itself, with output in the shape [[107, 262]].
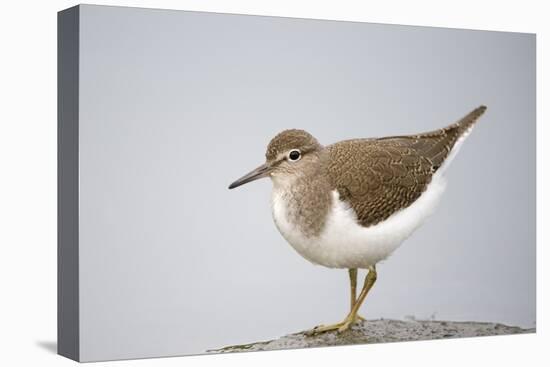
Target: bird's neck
[[306, 200]]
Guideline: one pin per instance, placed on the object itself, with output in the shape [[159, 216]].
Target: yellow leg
[[353, 286], [353, 291], [370, 279]]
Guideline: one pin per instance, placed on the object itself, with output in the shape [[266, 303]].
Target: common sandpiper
[[351, 204]]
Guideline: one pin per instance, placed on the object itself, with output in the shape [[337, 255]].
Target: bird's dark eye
[[294, 155]]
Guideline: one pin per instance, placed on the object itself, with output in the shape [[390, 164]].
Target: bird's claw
[[339, 327]]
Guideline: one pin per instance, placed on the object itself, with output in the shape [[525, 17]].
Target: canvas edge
[[68, 320]]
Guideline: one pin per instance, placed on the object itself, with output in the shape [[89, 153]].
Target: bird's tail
[[439, 146], [465, 124], [449, 139]]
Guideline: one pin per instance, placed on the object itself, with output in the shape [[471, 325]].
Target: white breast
[[343, 243]]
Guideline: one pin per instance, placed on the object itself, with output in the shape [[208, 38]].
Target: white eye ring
[[294, 155]]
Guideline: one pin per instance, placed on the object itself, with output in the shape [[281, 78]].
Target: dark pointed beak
[[260, 172]]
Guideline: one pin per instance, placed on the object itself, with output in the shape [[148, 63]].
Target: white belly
[[343, 243]]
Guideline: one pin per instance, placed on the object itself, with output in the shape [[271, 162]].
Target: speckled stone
[[381, 331]]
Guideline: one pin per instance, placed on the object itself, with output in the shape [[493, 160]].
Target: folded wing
[[378, 177]]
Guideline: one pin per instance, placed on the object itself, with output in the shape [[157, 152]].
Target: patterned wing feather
[[378, 177]]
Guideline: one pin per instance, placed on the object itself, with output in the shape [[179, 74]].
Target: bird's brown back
[[378, 177]]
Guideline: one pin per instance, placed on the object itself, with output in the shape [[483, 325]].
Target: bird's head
[[288, 155]]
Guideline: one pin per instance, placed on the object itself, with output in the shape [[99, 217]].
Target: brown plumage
[[377, 177]]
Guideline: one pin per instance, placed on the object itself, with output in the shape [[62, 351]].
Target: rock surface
[[380, 331]]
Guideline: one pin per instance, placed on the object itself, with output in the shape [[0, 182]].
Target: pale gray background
[[175, 105]]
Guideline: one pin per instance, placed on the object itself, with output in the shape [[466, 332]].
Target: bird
[[351, 204]]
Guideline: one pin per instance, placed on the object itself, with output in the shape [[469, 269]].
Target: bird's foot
[[339, 327]]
